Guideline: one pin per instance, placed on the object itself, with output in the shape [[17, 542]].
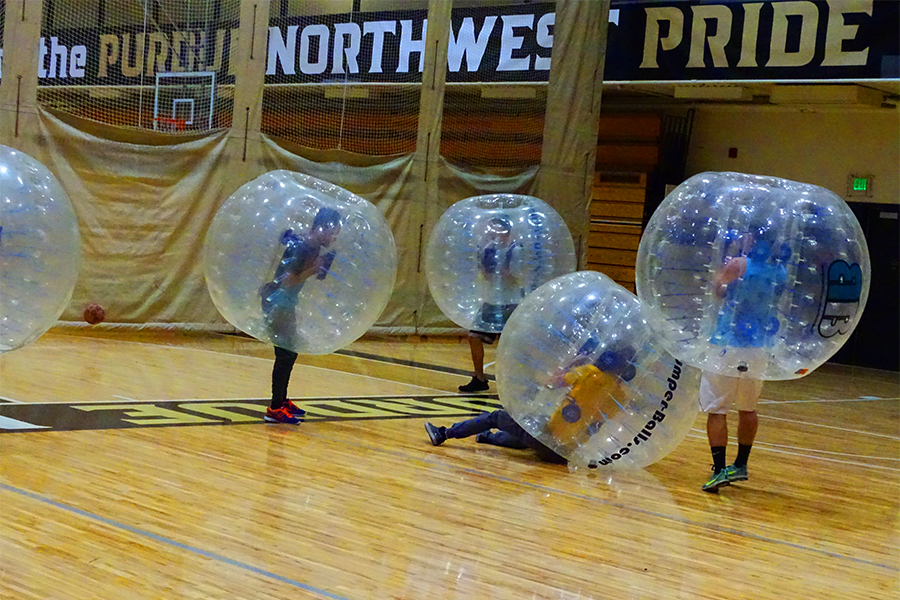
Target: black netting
[[145, 64], [496, 97], [345, 75]]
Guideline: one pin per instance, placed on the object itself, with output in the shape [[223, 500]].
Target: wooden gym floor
[[136, 465]]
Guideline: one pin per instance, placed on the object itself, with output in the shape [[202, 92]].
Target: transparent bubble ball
[[40, 249], [487, 252], [580, 370], [753, 276], [299, 263]]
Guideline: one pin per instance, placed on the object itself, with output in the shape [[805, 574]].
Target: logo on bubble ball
[[842, 283]]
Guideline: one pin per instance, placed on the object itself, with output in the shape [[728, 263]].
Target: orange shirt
[[594, 396]]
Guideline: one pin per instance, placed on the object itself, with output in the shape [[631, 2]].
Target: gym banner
[[746, 40], [656, 40]]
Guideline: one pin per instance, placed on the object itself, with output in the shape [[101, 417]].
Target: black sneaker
[[436, 434], [476, 385]]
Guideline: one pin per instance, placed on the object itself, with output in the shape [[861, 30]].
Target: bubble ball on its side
[[40, 249], [753, 276], [578, 368], [487, 252], [299, 263]]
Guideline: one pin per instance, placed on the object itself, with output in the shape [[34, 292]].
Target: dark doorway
[[876, 341]]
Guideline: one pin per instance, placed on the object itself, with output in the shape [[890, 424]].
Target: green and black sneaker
[[716, 481], [736, 473]]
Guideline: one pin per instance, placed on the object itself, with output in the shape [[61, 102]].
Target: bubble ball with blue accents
[[579, 369], [40, 249], [753, 276], [487, 252], [299, 263]]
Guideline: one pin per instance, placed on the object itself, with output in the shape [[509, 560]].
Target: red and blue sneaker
[[281, 415], [294, 409]]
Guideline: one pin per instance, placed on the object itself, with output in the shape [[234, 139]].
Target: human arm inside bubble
[[733, 270]]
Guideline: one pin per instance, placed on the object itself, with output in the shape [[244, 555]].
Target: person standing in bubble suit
[[749, 285], [300, 260], [498, 262]]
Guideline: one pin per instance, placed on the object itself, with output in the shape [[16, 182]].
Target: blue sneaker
[[718, 480], [734, 473], [281, 415]]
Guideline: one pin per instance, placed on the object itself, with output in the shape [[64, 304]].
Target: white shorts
[[719, 392]]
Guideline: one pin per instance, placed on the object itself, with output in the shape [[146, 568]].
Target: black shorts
[[486, 337], [494, 315]]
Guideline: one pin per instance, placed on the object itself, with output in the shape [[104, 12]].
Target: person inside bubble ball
[[595, 393], [750, 285], [501, 290], [302, 258]]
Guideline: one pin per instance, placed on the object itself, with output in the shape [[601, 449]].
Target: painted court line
[[824, 400], [16, 424], [881, 435], [10, 400], [268, 360], [700, 433], [409, 363], [481, 396], [769, 448], [546, 489], [170, 542]]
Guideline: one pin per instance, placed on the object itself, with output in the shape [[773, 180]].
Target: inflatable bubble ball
[[578, 368], [487, 252], [40, 249], [753, 276], [299, 263]]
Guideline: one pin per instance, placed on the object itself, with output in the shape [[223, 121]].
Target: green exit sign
[[859, 185]]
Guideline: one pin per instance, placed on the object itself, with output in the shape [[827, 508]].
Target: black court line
[[393, 361], [407, 363]]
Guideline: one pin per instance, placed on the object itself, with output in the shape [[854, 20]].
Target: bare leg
[[748, 423], [477, 348], [747, 426], [717, 430]]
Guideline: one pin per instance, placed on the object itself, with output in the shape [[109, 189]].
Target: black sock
[[718, 454], [276, 404], [743, 455]]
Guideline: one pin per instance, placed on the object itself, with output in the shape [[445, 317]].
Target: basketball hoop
[[168, 124]]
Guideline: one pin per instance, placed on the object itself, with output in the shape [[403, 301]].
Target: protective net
[[498, 122], [345, 75], [163, 65]]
